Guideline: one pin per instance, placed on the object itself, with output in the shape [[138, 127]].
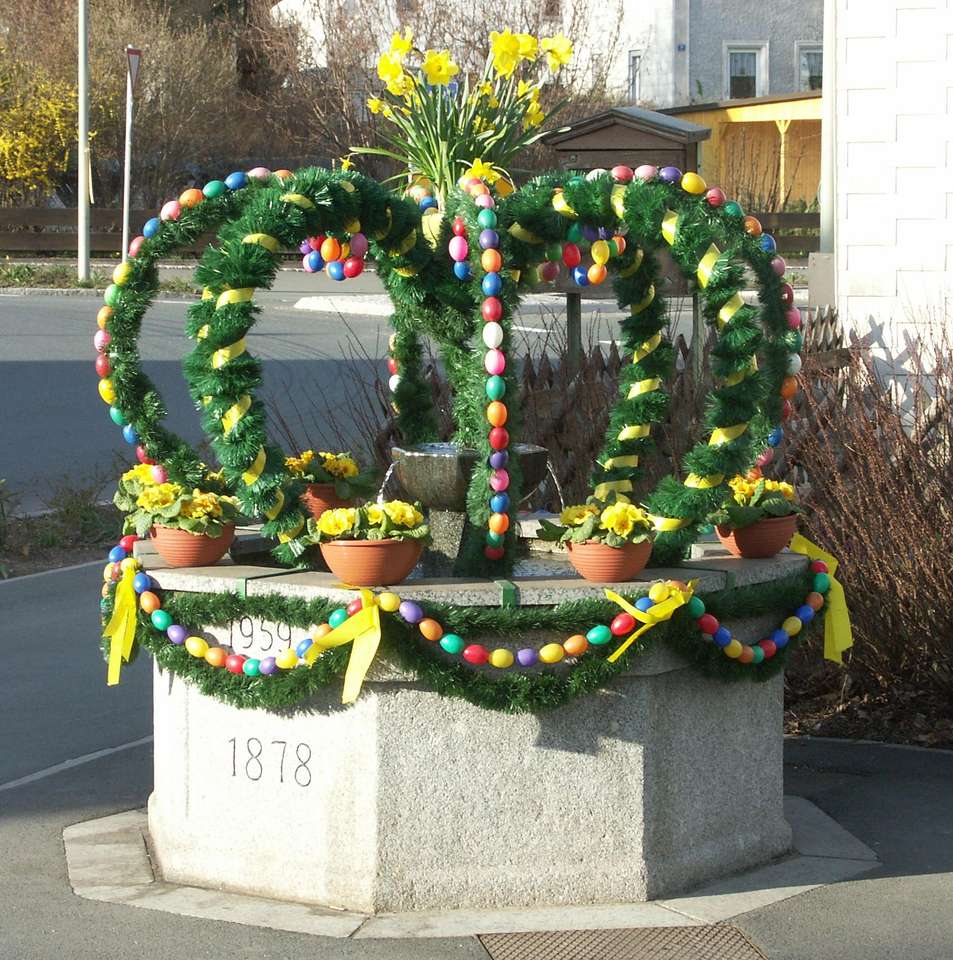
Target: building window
[[635, 80], [810, 65], [744, 71]]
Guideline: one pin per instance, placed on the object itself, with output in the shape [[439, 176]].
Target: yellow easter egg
[[286, 660], [108, 572], [389, 602], [733, 649], [692, 183], [600, 251], [107, 391], [552, 653], [197, 646], [129, 563], [792, 626], [659, 592], [121, 274], [501, 659]]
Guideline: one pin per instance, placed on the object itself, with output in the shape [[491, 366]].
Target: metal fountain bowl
[[438, 474]]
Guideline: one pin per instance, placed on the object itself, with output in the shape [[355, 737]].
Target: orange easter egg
[[330, 250], [788, 387], [491, 261], [149, 601], [576, 645], [191, 197], [496, 413], [102, 318], [215, 656], [430, 629], [752, 226], [499, 523]]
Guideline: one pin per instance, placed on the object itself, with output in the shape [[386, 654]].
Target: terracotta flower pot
[[371, 563], [759, 540], [179, 548], [319, 497], [601, 563]]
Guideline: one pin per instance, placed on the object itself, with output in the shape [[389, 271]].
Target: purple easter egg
[[304, 247], [410, 611], [267, 666], [590, 233], [489, 240], [526, 657], [670, 174], [176, 634], [498, 459]]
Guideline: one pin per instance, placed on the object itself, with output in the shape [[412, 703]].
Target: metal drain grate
[[643, 943]]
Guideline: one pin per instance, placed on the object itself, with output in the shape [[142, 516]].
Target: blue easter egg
[[644, 603], [767, 243], [722, 636], [581, 276], [461, 270], [236, 180], [780, 638], [499, 503], [805, 613], [492, 285], [151, 227], [315, 263], [302, 648], [141, 582], [117, 554], [336, 270], [427, 203], [775, 437], [129, 434]]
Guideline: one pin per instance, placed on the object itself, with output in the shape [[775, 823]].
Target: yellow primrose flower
[[375, 514], [374, 105], [438, 68], [558, 51], [332, 523], [485, 171], [528, 46], [622, 518], [505, 48], [577, 515], [202, 505], [400, 44], [403, 514], [141, 474], [159, 497], [341, 466]]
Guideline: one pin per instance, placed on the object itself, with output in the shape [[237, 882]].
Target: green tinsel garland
[[511, 691]]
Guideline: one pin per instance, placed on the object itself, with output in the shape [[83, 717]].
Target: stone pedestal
[[411, 801]]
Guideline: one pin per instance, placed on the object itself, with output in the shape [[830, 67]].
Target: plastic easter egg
[[354, 606], [492, 335], [794, 365], [499, 522], [779, 638], [122, 274], [659, 592], [336, 270], [495, 539], [458, 248], [768, 648], [491, 261], [548, 271], [499, 481], [793, 317], [499, 503], [786, 411], [493, 553], [492, 309], [822, 582], [478, 189], [103, 317], [501, 658], [600, 252], [107, 391], [499, 459], [282, 175], [814, 600], [312, 262], [491, 284], [359, 245], [599, 635], [746, 655], [787, 294], [389, 602], [693, 183], [129, 434], [767, 243], [103, 368], [489, 240], [752, 226], [428, 203], [151, 227], [733, 649], [268, 665], [176, 634], [486, 218], [430, 629], [213, 189], [778, 265], [117, 554], [251, 667], [596, 273], [191, 197], [330, 249], [393, 383], [159, 474], [112, 295], [259, 173], [775, 437], [452, 643], [494, 362], [458, 227], [499, 438], [149, 602], [572, 256], [476, 654], [722, 636], [788, 387], [527, 657], [303, 646], [287, 659], [337, 617], [708, 624], [128, 563], [234, 663], [646, 171], [197, 646], [161, 620], [552, 653], [484, 201], [171, 210], [127, 542], [142, 455], [576, 645], [715, 196], [792, 626], [596, 172], [461, 270], [102, 339], [580, 276], [733, 209], [644, 604], [411, 612], [496, 413], [622, 624], [353, 267], [670, 174], [622, 173], [804, 613]]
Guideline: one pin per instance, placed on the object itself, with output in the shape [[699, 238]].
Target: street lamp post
[[133, 59], [82, 185]]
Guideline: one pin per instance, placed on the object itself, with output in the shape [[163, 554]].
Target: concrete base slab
[[108, 860]]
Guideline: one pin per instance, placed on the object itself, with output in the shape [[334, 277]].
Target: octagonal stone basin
[[438, 474]]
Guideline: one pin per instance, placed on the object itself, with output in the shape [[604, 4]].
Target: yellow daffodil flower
[[485, 171], [505, 48], [558, 51], [438, 68], [528, 46], [401, 44], [374, 105]]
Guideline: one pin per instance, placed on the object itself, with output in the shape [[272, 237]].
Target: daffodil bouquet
[[148, 503], [753, 499], [442, 125], [615, 524], [340, 470], [393, 520]]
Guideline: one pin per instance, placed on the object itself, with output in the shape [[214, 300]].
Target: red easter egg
[[353, 267], [707, 623], [315, 242], [142, 456], [127, 542], [769, 647], [354, 606], [492, 309], [571, 255], [476, 654], [493, 553], [786, 410], [622, 173], [499, 438], [102, 366], [459, 228], [623, 623], [818, 566], [787, 294], [234, 663], [715, 196], [391, 365]]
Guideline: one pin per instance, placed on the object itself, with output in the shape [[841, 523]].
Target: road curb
[[82, 292]]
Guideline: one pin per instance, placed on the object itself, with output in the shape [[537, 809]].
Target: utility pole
[[133, 59], [82, 185]]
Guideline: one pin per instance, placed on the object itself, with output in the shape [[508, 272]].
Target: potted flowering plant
[[190, 528], [333, 480], [379, 543], [760, 518], [607, 542]]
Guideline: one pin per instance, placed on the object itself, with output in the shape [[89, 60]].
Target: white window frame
[[634, 81], [806, 46], [746, 46]]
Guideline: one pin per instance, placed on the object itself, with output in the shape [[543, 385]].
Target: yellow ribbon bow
[[838, 635], [655, 615], [121, 629], [363, 630]]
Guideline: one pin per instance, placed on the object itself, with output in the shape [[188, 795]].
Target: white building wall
[[893, 147]]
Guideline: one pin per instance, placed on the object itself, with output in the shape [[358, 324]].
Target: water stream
[[386, 480], [559, 490]]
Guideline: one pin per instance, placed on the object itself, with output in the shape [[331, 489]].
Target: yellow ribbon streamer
[[346, 186], [669, 225], [234, 413], [634, 265], [704, 483], [262, 240], [729, 309], [299, 200], [635, 431], [208, 293], [647, 347], [521, 233], [407, 271], [239, 295], [668, 524], [406, 244], [561, 206], [629, 460], [275, 508], [722, 435], [636, 308], [223, 356], [617, 200], [656, 614], [706, 265], [121, 629], [285, 535], [838, 635], [202, 332], [733, 379], [516, 274], [354, 226], [380, 234], [255, 470], [644, 386], [611, 486], [363, 631]]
